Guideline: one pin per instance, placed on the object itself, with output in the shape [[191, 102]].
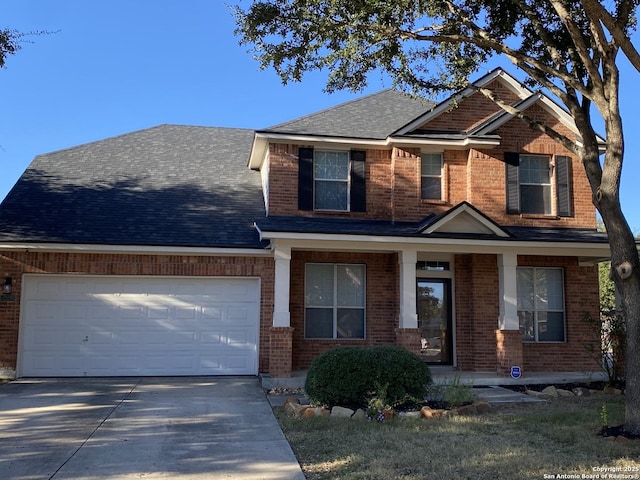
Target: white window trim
[[550, 185], [347, 181], [335, 305], [535, 311], [441, 177]]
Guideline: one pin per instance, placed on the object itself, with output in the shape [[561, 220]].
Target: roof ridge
[[126, 134], [334, 107]]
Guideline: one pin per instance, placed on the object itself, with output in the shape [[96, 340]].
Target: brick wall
[[381, 301], [477, 176], [581, 297], [471, 111], [477, 310], [15, 264]]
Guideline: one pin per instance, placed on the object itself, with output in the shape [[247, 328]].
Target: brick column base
[[280, 351], [509, 350], [409, 338]]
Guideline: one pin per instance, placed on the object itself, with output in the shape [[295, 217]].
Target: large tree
[[568, 47]]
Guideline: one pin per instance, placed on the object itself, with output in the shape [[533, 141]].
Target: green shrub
[[352, 376]]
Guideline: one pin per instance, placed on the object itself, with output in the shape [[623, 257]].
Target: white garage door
[[127, 326]]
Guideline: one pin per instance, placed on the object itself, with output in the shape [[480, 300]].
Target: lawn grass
[[515, 441]]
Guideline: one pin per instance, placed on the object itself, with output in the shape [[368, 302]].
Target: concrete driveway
[[149, 428]]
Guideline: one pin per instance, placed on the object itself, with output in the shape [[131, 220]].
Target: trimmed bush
[[352, 376]]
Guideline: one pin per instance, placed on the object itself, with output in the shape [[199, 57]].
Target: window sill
[[335, 339], [433, 202], [539, 216]]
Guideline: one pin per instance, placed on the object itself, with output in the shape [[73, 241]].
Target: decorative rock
[[360, 415], [315, 412], [296, 409], [622, 439], [342, 412], [551, 390], [540, 395], [482, 406], [612, 391], [565, 393], [428, 412], [414, 414], [581, 392]]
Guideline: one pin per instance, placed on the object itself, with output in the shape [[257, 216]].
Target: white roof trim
[[261, 143], [132, 249], [465, 209], [325, 241]]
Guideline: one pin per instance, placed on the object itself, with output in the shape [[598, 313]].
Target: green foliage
[[453, 393], [427, 46], [358, 375], [604, 415], [9, 43]]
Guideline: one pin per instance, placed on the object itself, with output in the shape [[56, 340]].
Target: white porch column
[[407, 260], [281, 314], [507, 278]]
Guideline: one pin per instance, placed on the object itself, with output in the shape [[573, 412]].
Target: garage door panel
[[74, 326]]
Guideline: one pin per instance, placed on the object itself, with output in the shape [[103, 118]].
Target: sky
[[110, 67]]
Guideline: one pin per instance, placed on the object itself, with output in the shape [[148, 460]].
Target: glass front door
[[434, 320]]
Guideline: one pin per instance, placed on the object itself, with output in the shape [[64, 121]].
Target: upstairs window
[[334, 300], [431, 176], [331, 180], [541, 304], [532, 181], [535, 184]]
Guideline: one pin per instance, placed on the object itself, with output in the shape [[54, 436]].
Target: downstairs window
[[334, 301]]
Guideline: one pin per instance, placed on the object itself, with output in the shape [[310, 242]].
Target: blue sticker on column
[[516, 372]]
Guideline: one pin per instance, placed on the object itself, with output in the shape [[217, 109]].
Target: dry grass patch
[[514, 441]]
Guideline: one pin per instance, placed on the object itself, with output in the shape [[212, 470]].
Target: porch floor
[[447, 374]]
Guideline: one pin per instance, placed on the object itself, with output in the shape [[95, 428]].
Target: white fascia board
[[261, 143], [462, 144], [447, 245], [132, 249]]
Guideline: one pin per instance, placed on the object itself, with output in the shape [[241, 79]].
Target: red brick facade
[[393, 193], [15, 264]]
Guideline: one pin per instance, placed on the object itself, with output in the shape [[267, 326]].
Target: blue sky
[[122, 65]]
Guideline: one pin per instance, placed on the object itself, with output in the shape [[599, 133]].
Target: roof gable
[[463, 218]]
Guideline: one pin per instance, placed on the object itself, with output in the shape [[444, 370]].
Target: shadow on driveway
[[124, 428]]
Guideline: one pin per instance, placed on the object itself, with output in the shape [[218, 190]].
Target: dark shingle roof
[[375, 116], [168, 185]]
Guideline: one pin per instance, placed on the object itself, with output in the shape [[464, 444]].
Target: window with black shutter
[[529, 183], [331, 180]]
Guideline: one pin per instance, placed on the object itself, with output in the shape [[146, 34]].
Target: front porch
[[443, 375]]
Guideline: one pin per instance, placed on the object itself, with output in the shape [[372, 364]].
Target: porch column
[[509, 347], [407, 260], [281, 314], [281, 332], [407, 333], [507, 280]]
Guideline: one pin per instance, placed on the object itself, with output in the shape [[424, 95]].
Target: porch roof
[[367, 227]]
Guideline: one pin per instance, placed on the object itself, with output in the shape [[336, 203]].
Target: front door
[[434, 320]]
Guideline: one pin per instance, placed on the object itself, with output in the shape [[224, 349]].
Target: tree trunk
[[625, 264]]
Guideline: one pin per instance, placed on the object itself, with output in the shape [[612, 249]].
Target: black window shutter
[[563, 185], [512, 158], [305, 178], [513, 184], [358, 182]]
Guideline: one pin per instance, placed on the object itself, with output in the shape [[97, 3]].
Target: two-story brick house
[[458, 233]]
